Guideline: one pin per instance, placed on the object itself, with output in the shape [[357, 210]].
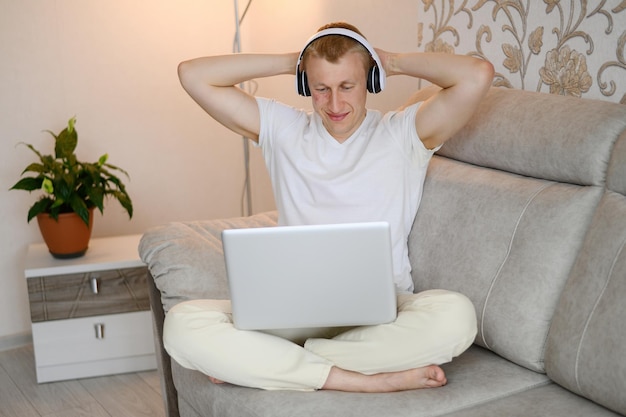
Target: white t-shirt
[[375, 175]]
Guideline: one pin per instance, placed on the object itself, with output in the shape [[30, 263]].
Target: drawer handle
[[95, 285], [99, 330]]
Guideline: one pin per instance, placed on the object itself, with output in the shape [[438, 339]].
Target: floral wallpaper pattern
[[567, 47]]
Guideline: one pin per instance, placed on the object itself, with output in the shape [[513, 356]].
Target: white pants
[[432, 327]]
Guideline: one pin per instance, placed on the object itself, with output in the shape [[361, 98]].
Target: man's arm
[[461, 83], [212, 82]]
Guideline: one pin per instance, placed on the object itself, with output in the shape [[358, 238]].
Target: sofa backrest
[[587, 340], [507, 205], [524, 212]]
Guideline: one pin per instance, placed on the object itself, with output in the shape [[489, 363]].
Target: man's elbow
[[184, 69], [483, 74]]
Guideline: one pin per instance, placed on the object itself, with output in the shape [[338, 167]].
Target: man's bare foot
[[215, 380], [426, 377]]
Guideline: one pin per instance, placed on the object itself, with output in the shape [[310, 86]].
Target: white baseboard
[[14, 341]]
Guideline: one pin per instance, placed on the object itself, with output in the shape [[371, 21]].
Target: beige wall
[[112, 64]]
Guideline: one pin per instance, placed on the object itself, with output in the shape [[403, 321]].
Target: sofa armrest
[[186, 259], [164, 361]]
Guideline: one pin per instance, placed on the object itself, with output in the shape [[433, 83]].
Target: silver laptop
[[291, 277]]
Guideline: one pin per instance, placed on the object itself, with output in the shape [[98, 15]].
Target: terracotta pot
[[68, 237]]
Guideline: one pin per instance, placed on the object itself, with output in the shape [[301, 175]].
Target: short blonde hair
[[333, 47]]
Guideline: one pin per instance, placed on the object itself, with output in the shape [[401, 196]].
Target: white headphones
[[375, 77]]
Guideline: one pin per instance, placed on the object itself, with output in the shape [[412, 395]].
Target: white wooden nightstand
[[90, 315]]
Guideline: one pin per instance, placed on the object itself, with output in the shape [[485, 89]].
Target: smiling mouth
[[337, 117]]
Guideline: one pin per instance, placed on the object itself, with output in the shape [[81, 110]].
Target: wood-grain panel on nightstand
[[88, 294]]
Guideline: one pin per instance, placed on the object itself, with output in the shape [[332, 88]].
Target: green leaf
[[57, 203], [34, 167], [49, 162], [66, 141], [40, 206], [71, 123], [117, 169], [80, 208], [96, 196], [54, 212], [103, 159], [47, 186], [124, 200], [28, 184], [32, 148]]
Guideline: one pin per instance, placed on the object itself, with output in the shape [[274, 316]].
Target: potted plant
[[71, 190]]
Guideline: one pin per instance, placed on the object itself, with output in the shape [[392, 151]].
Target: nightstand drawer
[[88, 294], [93, 346], [90, 315]]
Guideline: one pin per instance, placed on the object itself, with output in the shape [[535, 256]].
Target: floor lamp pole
[[246, 143]]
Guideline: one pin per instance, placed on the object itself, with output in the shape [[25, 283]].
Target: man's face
[[339, 93]]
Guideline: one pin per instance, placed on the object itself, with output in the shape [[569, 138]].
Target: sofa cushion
[[476, 377], [586, 345], [616, 175], [507, 242], [550, 400], [547, 136], [186, 259]]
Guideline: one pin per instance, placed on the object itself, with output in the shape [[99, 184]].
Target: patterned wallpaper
[[568, 47]]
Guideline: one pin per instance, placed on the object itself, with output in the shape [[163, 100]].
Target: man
[[341, 163]]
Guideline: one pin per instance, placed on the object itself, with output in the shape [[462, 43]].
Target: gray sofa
[[524, 211]]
